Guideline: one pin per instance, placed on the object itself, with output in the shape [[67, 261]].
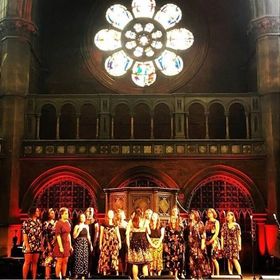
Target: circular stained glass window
[[144, 40], [144, 46]]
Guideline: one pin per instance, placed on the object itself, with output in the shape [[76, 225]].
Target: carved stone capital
[[17, 27], [267, 25]]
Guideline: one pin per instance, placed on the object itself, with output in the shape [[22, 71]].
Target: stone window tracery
[[143, 41]]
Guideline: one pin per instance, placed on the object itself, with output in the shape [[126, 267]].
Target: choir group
[[182, 247]]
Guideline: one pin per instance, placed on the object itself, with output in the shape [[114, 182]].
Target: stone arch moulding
[[54, 175], [230, 172], [163, 178]]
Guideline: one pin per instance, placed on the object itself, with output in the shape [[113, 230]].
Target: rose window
[[143, 42]]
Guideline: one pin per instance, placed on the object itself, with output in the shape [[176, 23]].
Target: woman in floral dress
[[231, 242], [174, 246], [212, 229], [49, 239], [109, 243], [156, 250], [199, 265], [32, 242]]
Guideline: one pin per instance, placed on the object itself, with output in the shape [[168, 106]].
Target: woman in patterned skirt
[[199, 265], [49, 239], [212, 229], [109, 243], [231, 242], [156, 250], [82, 247], [137, 243]]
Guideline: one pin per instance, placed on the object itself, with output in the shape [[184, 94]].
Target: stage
[[11, 268]]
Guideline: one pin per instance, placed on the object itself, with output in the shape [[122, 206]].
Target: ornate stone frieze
[[17, 27], [267, 25]]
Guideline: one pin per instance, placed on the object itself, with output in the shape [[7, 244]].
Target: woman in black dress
[[122, 224], [82, 247], [93, 224]]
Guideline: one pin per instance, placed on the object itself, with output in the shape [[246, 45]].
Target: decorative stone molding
[[17, 27], [267, 25], [42, 149]]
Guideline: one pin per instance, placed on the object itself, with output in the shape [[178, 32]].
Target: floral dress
[[109, 254], [231, 236], [174, 249], [33, 230], [213, 249], [199, 264], [49, 240]]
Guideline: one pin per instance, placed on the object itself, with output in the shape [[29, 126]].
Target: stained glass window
[[143, 73], [118, 64], [143, 8], [148, 41]]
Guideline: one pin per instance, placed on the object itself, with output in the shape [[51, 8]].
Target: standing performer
[[199, 265], [49, 239], [82, 247], [137, 243], [156, 238], [32, 242], [63, 246], [122, 224], [110, 243], [93, 224], [212, 229], [231, 242], [174, 246]]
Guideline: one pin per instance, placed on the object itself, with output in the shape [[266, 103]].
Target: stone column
[[104, 119], [97, 127], [78, 127], [179, 118], [187, 125], [38, 126], [227, 126], [17, 34], [132, 127], [112, 127], [207, 125], [152, 126], [265, 27], [57, 126]]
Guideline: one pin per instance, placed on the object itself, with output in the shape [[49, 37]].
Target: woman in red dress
[[63, 247]]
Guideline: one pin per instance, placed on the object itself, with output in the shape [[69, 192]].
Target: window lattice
[[143, 182], [220, 194], [223, 194], [65, 193]]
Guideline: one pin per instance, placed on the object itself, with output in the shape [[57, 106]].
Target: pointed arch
[[227, 174], [161, 178], [59, 174]]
